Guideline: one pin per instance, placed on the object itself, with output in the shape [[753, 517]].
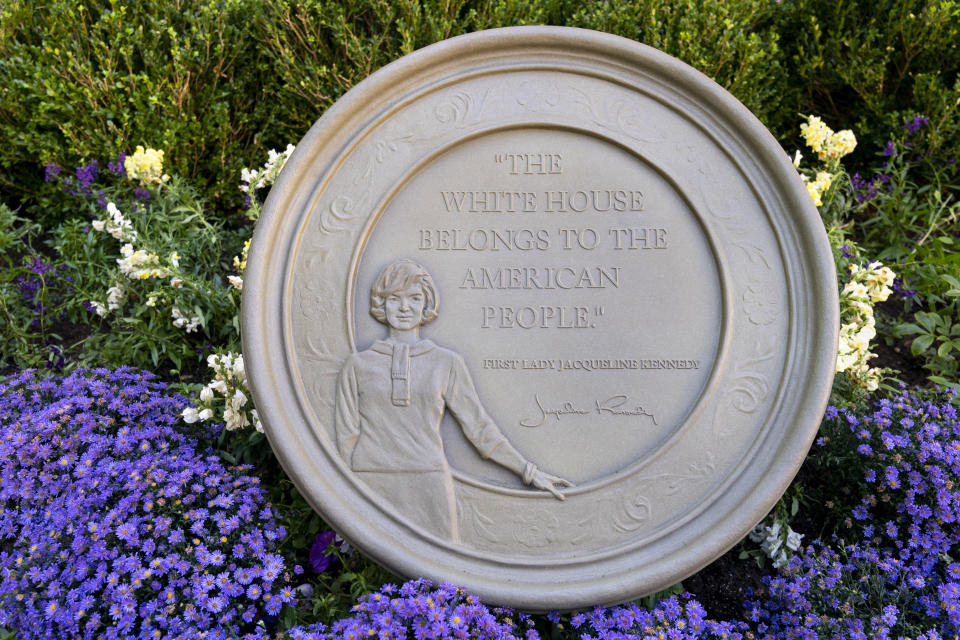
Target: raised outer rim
[[811, 360]]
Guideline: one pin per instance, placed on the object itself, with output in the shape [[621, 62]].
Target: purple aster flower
[[122, 551]]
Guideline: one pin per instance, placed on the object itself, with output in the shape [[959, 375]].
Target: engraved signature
[[566, 408], [616, 405]]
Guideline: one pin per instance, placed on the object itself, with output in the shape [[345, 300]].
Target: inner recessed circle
[[576, 283]]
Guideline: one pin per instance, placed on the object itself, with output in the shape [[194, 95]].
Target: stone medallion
[[542, 312]]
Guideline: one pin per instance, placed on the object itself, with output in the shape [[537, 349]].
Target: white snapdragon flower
[[188, 324], [236, 282], [98, 308], [793, 539], [238, 369], [879, 279], [206, 394], [118, 227], [234, 418], [238, 400], [190, 415], [775, 542], [138, 264], [206, 414], [115, 297], [98, 225], [251, 180], [856, 290]]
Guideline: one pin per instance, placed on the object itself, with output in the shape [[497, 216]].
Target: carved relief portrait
[[391, 399]]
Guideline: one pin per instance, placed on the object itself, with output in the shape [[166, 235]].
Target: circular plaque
[[543, 312]]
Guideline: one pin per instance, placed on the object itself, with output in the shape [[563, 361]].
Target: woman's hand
[[548, 482]]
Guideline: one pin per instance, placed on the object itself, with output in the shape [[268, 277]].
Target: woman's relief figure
[[391, 399]]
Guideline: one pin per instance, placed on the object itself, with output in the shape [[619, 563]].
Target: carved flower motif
[[761, 304], [538, 95], [535, 528]]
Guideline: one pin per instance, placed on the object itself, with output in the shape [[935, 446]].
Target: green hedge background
[[216, 82]]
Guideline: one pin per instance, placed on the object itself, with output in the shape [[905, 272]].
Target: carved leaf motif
[[754, 253], [689, 154], [617, 117], [724, 200], [335, 216], [633, 513], [314, 259], [380, 152], [696, 472], [461, 109], [750, 386], [480, 524], [318, 351]]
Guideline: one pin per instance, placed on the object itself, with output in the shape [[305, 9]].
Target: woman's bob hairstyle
[[398, 276]]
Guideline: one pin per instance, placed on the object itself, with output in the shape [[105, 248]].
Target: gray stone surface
[[609, 342]]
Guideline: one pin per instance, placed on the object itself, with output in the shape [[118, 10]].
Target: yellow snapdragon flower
[[815, 133], [824, 141], [817, 187], [145, 165]]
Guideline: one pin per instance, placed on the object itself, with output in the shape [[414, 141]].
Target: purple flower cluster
[[112, 525], [81, 183], [117, 167], [41, 284], [898, 578], [910, 453], [51, 171], [422, 611], [858, 593], [865, 190], [675, 618], [915, 124]]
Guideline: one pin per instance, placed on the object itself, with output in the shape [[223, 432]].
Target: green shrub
[[90, 79], [867, 65], [731, 42], [217, 82]]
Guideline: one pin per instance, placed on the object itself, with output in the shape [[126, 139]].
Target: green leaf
[[927, 320], [908, 328], [921, 344]]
